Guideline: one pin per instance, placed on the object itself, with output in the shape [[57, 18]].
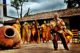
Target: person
[[44, 31], [17, 25], [25, 33], [38, 29], [48, 34], [34, 33], [54, 35], [57, 32]]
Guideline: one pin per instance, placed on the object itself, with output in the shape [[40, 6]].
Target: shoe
[[67, 48], [55, 49]]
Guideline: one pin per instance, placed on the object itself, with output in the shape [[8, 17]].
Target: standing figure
[[54, 35], [44, 31], [48, 34], [34, 33], [58, 32], [25, 33], [17, 25]]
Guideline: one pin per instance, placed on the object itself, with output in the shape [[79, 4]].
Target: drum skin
[[9, 37]]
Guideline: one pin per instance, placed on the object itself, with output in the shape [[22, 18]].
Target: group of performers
[[53, 30]]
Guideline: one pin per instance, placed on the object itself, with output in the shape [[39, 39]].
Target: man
[[17, 25], [44, 31], [34, 33], [57, 31], [26, 33], [48, 34]]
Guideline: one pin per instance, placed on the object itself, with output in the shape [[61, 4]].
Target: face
[[17, 21], [56, 16], [33, 22]]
